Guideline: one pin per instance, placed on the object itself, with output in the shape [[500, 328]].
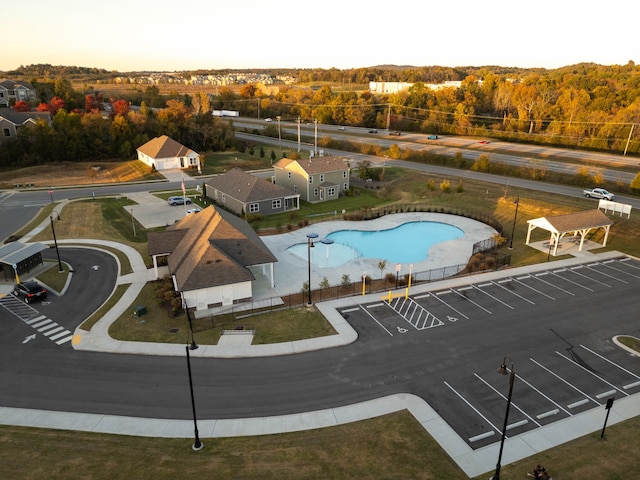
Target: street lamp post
[[503, 370], [197, 444], [513, 230], [279, 134], [55, 242], [310, 245]]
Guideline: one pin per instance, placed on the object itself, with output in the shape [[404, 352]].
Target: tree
[[21, 106], [381, 265], [120, 107]]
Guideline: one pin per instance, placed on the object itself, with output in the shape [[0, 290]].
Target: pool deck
[[291, 271]]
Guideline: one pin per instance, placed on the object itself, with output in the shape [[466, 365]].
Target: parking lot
[[554, 328]]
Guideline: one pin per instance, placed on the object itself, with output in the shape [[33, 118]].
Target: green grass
[[52, 277], [157, 325]]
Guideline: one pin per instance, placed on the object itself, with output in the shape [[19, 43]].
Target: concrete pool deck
[[291, 270]]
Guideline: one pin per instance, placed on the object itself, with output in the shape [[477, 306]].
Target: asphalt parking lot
[[559, 343]]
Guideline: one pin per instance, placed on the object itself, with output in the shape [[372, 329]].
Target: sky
[[178, 35]]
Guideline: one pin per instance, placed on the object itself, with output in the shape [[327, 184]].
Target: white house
[[164, 153]]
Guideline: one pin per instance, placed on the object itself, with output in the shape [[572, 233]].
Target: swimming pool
[[406, 243]]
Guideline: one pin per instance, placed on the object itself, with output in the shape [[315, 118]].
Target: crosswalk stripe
[[48, 327], [35, 319], [39, 324], [51, 332], [58, 335], [66, 339]]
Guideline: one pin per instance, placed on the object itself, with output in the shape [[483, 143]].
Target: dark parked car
[[373, 131], [179, 200], [397, 134], [30, 291]]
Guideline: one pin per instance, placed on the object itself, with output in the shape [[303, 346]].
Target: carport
[[577, 224], [17, 258]]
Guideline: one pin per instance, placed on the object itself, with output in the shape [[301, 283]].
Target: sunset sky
[[165, 35]]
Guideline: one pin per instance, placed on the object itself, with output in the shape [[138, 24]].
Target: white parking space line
[[513, 404], [587, 397], [469, 300], [514, 293], [472, 408], [555, 287], [376, 320], [590, 372], [619, 270], [437, 297], [489, 295], [611, 362], [542, 394], [532, 288], [587, 277], [570, 281]]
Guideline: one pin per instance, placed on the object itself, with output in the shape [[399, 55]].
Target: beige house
[[164, 153], [12, 91], [211, 257], [316, 179]]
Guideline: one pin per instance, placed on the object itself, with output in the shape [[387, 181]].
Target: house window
[[321, 177], [344, 174], [295, 189], [7, 132], [276, 204], [315, 192], [331, 191], [215, 194], [345, 187], [224, 198], [289, 174], [193, 161], [310, 179], [254, 207]]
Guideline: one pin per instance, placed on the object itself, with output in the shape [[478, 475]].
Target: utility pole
[[315, 144], [388, 116], [298, 120]]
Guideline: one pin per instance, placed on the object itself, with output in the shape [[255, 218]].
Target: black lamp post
[[55, 242], [503, 370], [513, 230], [310, 245], [197, 444]]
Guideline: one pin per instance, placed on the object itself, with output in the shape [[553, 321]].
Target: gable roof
[[211, 248], [13, 84], [316, 165], [164, 147], [573, 221], [20, 118], [246, 187]]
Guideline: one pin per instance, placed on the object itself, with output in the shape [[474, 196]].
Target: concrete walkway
[[472, 462]]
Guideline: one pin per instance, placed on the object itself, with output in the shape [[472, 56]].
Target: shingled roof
[[569, 222], [209, 249], [246, 188], [164, 147], [317, 164]]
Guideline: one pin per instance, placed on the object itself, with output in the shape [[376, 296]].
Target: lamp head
[[503, 369]]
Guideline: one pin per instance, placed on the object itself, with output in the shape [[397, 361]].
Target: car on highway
[[600, 193], [30, 291], [484, 142], [268, 119], [432, 137], [373, 131], [179, 201], [397, 134]]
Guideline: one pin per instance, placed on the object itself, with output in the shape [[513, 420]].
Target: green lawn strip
[[52, 277], [108, 305], [390, 446], [631, 342], [393, 446], [271, 326]]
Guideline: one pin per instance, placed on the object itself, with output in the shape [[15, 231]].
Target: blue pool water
[[407, 243]]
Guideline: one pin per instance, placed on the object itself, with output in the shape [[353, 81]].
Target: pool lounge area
[[291, 270]]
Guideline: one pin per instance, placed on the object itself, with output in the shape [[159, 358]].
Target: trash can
[[139, 310]]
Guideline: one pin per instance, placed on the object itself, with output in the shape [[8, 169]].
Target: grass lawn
[[393, 446]]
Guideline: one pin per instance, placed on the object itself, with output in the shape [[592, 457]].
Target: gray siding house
[[243, 193], [11, 121], [316, 179]]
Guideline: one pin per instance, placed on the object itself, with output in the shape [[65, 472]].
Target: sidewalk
[[472, 462]]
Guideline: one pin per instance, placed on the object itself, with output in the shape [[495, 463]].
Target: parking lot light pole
[[310, 245], [197, 444], [503, 370], [55, 242], [513, 230]]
